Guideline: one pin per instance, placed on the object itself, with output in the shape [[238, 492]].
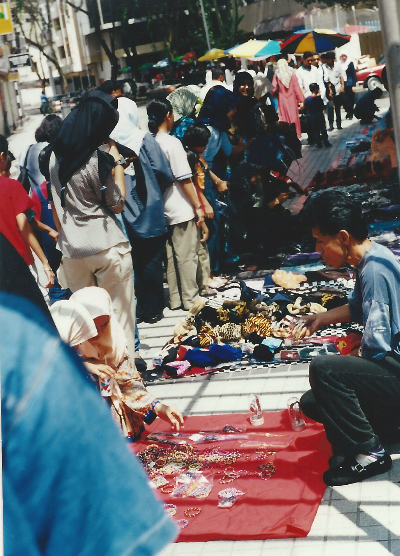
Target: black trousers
[[334, 106], [349, 97], [356, 399], [147, 258], [318, 126]]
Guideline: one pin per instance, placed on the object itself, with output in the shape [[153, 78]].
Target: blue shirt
[[70, 485], [375, 302], [218, 140]]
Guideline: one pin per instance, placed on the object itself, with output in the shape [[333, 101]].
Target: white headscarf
[[73, 322], [110, 347], [126, 131], [344, 65], [262, 86], [284, 72]]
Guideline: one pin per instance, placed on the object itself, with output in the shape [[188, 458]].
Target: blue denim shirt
[[71, 487], [375, 302]]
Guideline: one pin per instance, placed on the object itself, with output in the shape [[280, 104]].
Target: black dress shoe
[[350, 471], [330, 128], [339, 127]]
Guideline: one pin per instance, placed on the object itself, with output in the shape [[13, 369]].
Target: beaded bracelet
[[192, 512], [170, 509], [181, 523]]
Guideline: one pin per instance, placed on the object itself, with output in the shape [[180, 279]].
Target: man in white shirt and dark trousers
[[334, 79], [307, 74]]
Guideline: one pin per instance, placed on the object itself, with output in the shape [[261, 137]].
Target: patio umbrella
[[213, 54], [254, 49], [317, 40], [162, 63]]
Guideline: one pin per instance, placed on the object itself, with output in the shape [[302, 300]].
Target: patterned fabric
[[87, 224], [130, 401]]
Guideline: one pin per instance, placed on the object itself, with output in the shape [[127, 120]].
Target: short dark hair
[[157, 111], [3, 145], [196, 135], [332, 213], [330, 55], [314, 87], [217, 72], [48, 129], [108, 87], [307, 54]]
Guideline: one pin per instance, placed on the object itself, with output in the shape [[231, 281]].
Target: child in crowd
[[315, 109], [181, 207], [195, 142]]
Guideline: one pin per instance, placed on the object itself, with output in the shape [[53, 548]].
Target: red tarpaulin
[[283, 506]]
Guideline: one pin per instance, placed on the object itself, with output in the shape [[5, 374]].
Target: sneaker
[[327, 144], [350, 471]]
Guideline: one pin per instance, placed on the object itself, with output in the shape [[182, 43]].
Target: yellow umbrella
[[248, 49], [212, 54]]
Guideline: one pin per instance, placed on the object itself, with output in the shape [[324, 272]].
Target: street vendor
[[356, 396]]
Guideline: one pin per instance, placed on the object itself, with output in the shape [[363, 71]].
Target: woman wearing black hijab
[[88, 189]]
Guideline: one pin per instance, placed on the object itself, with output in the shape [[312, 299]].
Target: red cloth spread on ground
[[283, 506]]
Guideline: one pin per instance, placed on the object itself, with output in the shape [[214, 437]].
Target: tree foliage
[[35, 24], [345, 4]]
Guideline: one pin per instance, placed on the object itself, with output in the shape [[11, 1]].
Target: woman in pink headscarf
[[290, 94]]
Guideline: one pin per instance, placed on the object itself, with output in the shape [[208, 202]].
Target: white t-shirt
[[177, 207]]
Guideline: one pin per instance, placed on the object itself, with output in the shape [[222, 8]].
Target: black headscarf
[[218, 103], [245, 115], [81, 133]]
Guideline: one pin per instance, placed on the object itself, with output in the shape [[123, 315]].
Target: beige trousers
[[110, 269], [183, 246], [203, 269]]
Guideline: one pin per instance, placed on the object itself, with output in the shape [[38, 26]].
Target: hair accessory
[[192, 512], [152, 117], [181, 523]]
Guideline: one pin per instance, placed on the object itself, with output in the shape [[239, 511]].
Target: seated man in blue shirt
[[358, 395]]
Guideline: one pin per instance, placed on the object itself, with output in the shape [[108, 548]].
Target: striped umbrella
[[213, 54], [255, 50], [317, 40]]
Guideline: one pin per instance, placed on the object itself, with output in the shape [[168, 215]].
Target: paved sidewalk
[[355, 520]]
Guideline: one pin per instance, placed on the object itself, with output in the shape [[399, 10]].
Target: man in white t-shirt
[[334, 78], [306, 74], [217, 78]]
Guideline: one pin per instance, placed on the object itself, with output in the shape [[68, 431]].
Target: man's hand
[[50, 277], [170, 415], [53, 234], [102, 370], [312, 324], [200, 216]]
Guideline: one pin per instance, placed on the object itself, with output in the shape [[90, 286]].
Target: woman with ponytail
[[181, 208]]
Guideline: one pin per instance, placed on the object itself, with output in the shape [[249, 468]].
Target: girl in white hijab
[[102, 344]]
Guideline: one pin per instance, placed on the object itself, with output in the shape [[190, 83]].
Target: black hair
[[48, 129], [196, 135], [331, 213], [157, 111], [193, 159], [314, 87], [307, 54], [3, 145], [330, 55], [108, 87], [377, 92], [217, 72]]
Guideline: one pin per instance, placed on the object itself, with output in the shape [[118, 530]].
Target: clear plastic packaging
[[256, 416], [228, 496], [295, 414], [193, 484]]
